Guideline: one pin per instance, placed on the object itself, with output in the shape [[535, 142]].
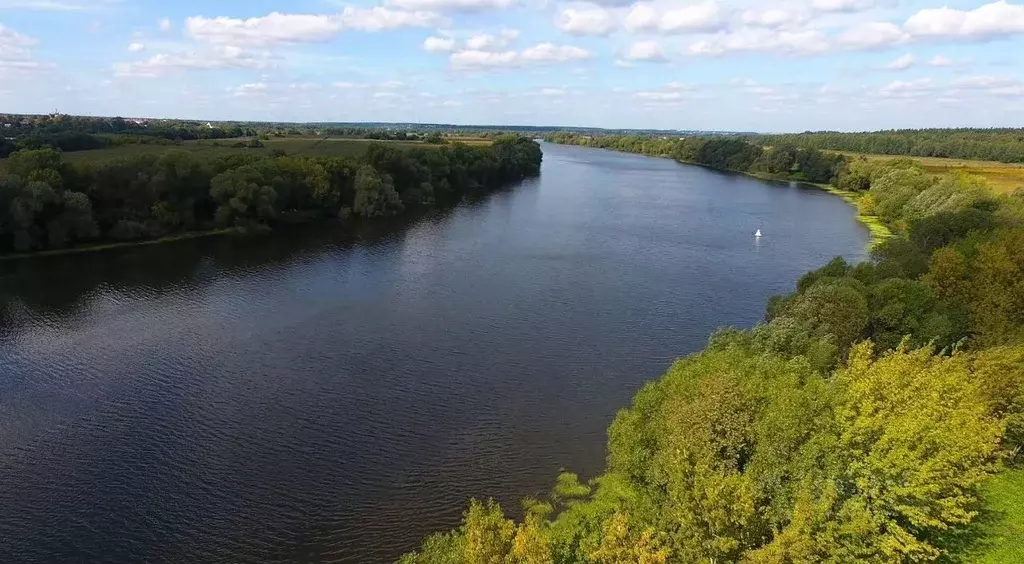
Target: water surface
[[323, 396]]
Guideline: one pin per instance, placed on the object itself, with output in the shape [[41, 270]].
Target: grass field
[[998, 535], [303, 146], [1003, 178]]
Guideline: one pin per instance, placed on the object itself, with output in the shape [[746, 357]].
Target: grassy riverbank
[[879, 231]]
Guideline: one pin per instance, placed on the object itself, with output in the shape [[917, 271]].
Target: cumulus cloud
[[645, 51], [542, 53], [771, 18], [251, 89], [872, 35], [484, 59], [165, 24], [551, 53], [990, 20], [842, 5], [489, 42], [940, 61], [902, 63], [298, 28], [451, 5], [907, 89], [223, 57], [703, 16], [136, 47], [596, 21], [16, 53], [439, 44], [752, 40]]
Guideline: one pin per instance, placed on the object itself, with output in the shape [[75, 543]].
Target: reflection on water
[[331, 396]]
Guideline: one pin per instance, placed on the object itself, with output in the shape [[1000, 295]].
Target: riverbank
[[110, 246], [880, 232]]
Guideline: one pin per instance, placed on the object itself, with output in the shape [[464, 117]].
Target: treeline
[[1003, 145], [855, 424], [725, 153], [49, 203]]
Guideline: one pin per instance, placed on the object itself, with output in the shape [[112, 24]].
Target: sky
[[736, 65]]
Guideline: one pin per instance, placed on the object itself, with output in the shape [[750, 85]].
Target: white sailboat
[[758, 234]]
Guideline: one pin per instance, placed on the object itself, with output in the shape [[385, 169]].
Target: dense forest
[[725, 153], [1003, 145], [48, 203], [855, 424]]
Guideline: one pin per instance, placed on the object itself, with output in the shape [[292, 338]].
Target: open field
[[998, 536], [303, 146], [1004, 178]]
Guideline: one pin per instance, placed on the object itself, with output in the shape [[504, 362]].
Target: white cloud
[[770, 18], [703, 16], [349, 85], [872, 35], [226, 57], [484, 59], [451, 5], [488, 42], [982, 82], [645, 51], [538, 54], [902, 63], [596, 21], [940, 61], [842, 5], [659, 96], [757, 40], [16, 53], [679, 86], [165, 24], [439, 44], [451, 103], [136, 47], [551, 53], [990, 20], [59, 5], [251, 89], [298, 28], [907, 89], [552, 92]]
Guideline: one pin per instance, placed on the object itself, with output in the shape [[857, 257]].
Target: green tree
[[374, 194], [243, 197]]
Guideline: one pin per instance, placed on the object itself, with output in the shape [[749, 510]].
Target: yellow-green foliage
[[858, 424], [918, 438]]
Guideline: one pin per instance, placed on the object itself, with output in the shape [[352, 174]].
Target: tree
[[243, 197], [917, 439], [374, 194]]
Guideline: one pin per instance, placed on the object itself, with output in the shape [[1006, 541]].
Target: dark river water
[[322, 396]]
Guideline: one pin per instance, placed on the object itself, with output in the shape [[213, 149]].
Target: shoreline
[[120, 245]]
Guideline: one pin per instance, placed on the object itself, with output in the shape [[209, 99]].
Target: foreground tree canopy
[[856, 424], [49, 203]]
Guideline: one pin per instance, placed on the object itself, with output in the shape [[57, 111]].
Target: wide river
[[321, 396]]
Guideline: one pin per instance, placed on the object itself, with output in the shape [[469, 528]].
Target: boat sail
[[758, 234]]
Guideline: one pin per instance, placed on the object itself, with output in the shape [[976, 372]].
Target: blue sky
[[768, 65]]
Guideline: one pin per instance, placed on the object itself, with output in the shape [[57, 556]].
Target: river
[[318, 395]]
